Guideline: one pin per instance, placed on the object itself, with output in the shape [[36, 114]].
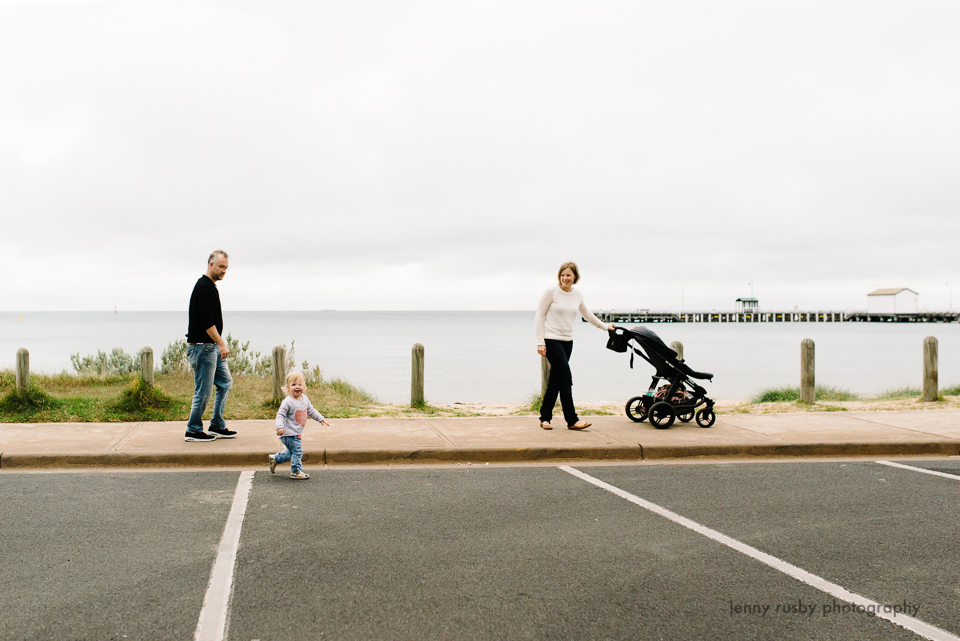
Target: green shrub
[[311, 375], [174, 358], [116, 363], [244, 362]]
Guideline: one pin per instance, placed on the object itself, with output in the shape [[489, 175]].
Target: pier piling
[[930, 369], [146, 366], [279, 371], [416, 376], [808, 380], [23, 370]]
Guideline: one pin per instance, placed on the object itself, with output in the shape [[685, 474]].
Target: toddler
[[291, 419]]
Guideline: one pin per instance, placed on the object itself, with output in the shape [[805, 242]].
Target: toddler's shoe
[[273, 464], [299, 475]]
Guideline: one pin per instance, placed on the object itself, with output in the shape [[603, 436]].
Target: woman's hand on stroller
[[611, 327]]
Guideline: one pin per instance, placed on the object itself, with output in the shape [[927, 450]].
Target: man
[[207, 353]]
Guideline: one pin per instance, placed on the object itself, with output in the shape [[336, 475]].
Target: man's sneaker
[[273, 464], [199, 436], [221, 432], [299, 475]]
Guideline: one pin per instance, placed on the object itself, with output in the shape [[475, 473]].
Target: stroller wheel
[[635, 410], [706, 417], [685, 418], [661, 415]]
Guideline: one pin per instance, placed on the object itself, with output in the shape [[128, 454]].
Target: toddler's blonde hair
[[291, 378]]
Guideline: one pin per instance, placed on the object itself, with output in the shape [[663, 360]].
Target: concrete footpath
[[501, 439]]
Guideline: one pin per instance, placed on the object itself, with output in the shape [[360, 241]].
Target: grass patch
[[834, 393], [594, 412], [77, 399], [830, 408], [953, 390], [778, 395], [427, 409], [28, 402], [141, 402], [899, 393], [792, 394], [534, 402], [337, 398]]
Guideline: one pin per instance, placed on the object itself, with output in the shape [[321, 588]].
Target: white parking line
[[920, 469], [213, 616], [914, 625]]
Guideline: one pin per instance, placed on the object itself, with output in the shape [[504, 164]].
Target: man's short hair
[[217, 252]]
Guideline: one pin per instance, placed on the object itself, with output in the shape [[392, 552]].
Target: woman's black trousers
[[560, 383]]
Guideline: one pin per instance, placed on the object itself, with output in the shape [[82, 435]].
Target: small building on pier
[[748, 305], [895, 300]]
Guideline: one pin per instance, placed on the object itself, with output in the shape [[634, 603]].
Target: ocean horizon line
[[267, 311]]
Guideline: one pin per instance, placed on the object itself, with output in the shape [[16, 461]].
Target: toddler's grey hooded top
[[293, 413]]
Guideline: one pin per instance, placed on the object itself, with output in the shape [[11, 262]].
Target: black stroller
[[680, 399]]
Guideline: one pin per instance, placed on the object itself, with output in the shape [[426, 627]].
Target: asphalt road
[[482, 552]]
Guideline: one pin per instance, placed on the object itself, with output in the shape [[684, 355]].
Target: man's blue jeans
[[209, 371], [293, 453]]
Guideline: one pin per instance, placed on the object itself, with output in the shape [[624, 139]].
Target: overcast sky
[[450, 155]]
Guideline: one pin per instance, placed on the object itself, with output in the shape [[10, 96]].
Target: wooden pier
[[647, 316]]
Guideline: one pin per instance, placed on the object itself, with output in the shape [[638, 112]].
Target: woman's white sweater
[[557, 312]]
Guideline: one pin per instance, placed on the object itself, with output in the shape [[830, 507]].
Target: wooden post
[[544, 375], [23, 370], [808, 379], [677, 346], [146, 366], [279, 371], [930, 369], [416, 376]]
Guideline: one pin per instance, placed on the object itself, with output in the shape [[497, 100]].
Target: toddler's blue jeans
[[293, 453]]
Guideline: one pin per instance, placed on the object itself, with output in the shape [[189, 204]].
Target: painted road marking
[[905, 621], [213, 616], [920, 469]]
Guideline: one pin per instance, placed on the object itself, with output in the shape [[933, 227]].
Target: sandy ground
[[947, 402], [722, 407]]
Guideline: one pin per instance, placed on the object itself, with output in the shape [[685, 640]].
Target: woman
[[556, 314]]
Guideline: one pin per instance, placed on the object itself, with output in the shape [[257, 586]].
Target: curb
[[426, 456], [484, 455], [29, 460], [800, 450]]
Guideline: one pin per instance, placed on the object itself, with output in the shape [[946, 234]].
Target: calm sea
[[490, 357]]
